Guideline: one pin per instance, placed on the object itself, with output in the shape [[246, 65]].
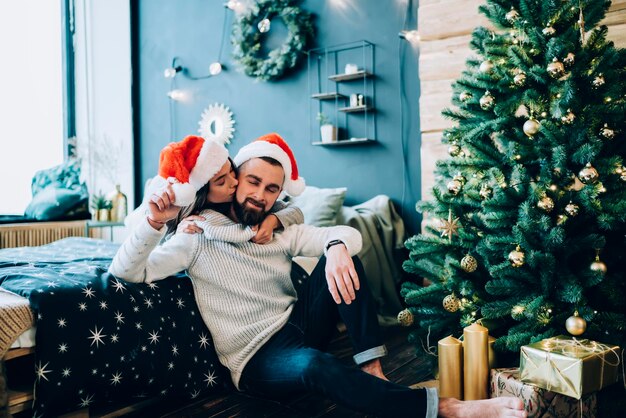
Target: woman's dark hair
[[199, 204]]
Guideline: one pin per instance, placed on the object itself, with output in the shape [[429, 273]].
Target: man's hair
[[268, 160]]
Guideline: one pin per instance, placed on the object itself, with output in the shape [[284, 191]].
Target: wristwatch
[[334, 242]]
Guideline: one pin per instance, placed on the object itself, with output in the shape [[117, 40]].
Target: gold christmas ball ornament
[[556, 69], [572, 209], [548, 31], [486, 67], [465, 96], [520, 79], [575, 325], [485, 192], [512, 15], [516, 257], [469, 264], [569, 59], [454, 187], [598, 81], [454, 150], [568, 118], [531, 127], [405, 318], [588, 175], [607, 132], [598, 266], [451, 303], [546, 204], [487, 101]]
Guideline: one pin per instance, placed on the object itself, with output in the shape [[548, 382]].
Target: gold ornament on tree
[[598, 265], [451, 303], [512, 15], [607, 132], [548, 31], [454, 150], [516, 257], [450, 226], [568, 118], [556, 68], [520, 79], [588, 175], [569, 59], [572, 209], [486, 101], [469, 264], [465, 96], [486, 67], [405, 318], [598, 81], [546, 204], [575, 325], [531, 127]]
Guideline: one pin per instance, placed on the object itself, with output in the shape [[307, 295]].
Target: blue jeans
[[293, 361]]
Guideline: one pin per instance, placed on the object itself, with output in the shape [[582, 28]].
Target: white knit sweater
[[243, 290]]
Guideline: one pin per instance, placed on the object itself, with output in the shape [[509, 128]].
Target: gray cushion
[[320, 206]]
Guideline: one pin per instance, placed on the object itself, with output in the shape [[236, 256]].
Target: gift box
[[540, 403], [570, 366]]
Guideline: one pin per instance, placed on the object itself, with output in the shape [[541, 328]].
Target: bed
[[99, 339]]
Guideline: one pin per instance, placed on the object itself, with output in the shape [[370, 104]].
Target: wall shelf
[[345, 142], [335, 91]]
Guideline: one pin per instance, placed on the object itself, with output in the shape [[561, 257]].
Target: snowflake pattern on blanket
[[100, 339]]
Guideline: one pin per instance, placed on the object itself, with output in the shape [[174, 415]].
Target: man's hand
[[265, 231], [189, 226], [340, 274], [161, 207]]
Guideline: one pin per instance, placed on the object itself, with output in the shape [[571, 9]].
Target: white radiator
[[39, 233]]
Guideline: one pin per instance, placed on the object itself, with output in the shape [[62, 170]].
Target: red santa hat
[[188, 165], [273, 146]]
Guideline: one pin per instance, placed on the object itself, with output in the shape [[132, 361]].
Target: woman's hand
[[162, 208], [265, 231], [189, 226]]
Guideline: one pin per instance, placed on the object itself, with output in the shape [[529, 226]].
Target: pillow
[[320, 206], [54, 203]]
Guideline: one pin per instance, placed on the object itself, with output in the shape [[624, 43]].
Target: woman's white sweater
[[243, 290]]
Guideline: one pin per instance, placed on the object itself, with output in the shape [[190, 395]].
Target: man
[[271, 339]]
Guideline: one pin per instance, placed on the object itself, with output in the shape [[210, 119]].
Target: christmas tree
[[530, 207]]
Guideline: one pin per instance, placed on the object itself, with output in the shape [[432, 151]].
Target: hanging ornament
[[454, 187], [598, 265], [512, 15], [556, 69], [574, 184], [569, 59], [546, 204], [598, 81], [548, 31], [531, 127], [454, 150], [451, 303], [568, 118], [520, 79], [469, 264], [572, 209], [450, 226], [607, 132], [465, 96], [405, 318], [622, 175], [485, 192], [588, 175], [264, 25], [516, 257], [487, 101], [486, 67], [575, 325]]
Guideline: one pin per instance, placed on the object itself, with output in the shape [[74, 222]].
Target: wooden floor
[[402, 365]]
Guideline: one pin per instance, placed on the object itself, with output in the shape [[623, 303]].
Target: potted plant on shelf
[[101, 207], [328, 131]]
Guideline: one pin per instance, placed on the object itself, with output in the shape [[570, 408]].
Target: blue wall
[[191, 30]]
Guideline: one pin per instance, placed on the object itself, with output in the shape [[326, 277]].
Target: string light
[[177, 95], [172, 71], [215, 68]]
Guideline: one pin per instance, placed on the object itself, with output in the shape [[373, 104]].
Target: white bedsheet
[[26, 339]]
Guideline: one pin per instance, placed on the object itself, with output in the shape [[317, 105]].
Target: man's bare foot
[[374, 368], [486, 408]]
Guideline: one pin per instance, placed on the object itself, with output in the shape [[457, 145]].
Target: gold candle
[[475, 362], [450, 368], [492, 354]]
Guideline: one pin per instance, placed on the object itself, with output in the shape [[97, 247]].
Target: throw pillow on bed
[[320, 206]]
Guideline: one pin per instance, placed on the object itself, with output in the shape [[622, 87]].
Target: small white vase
[[329, 133]]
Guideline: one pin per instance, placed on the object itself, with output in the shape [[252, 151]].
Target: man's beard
[[248, 216]]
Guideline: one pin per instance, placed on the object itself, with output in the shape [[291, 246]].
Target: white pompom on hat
[[188, 165], [274, 146]]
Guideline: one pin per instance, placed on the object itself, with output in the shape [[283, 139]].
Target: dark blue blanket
[[100, 339]]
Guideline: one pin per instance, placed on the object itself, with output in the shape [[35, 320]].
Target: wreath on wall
[[247, 38]]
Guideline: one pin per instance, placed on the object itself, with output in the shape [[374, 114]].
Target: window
[[34, 78]]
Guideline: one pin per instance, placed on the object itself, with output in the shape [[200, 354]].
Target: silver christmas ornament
[[598, 81], [556, 68], [454, 187], [512, 15], [568, 118], [588, 175], [516, 257], [519, 79], [569, 59], [607, 132], [264, 25], [531, 127], [487, 101], [465, 96], [546, 203], [572, 209]]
